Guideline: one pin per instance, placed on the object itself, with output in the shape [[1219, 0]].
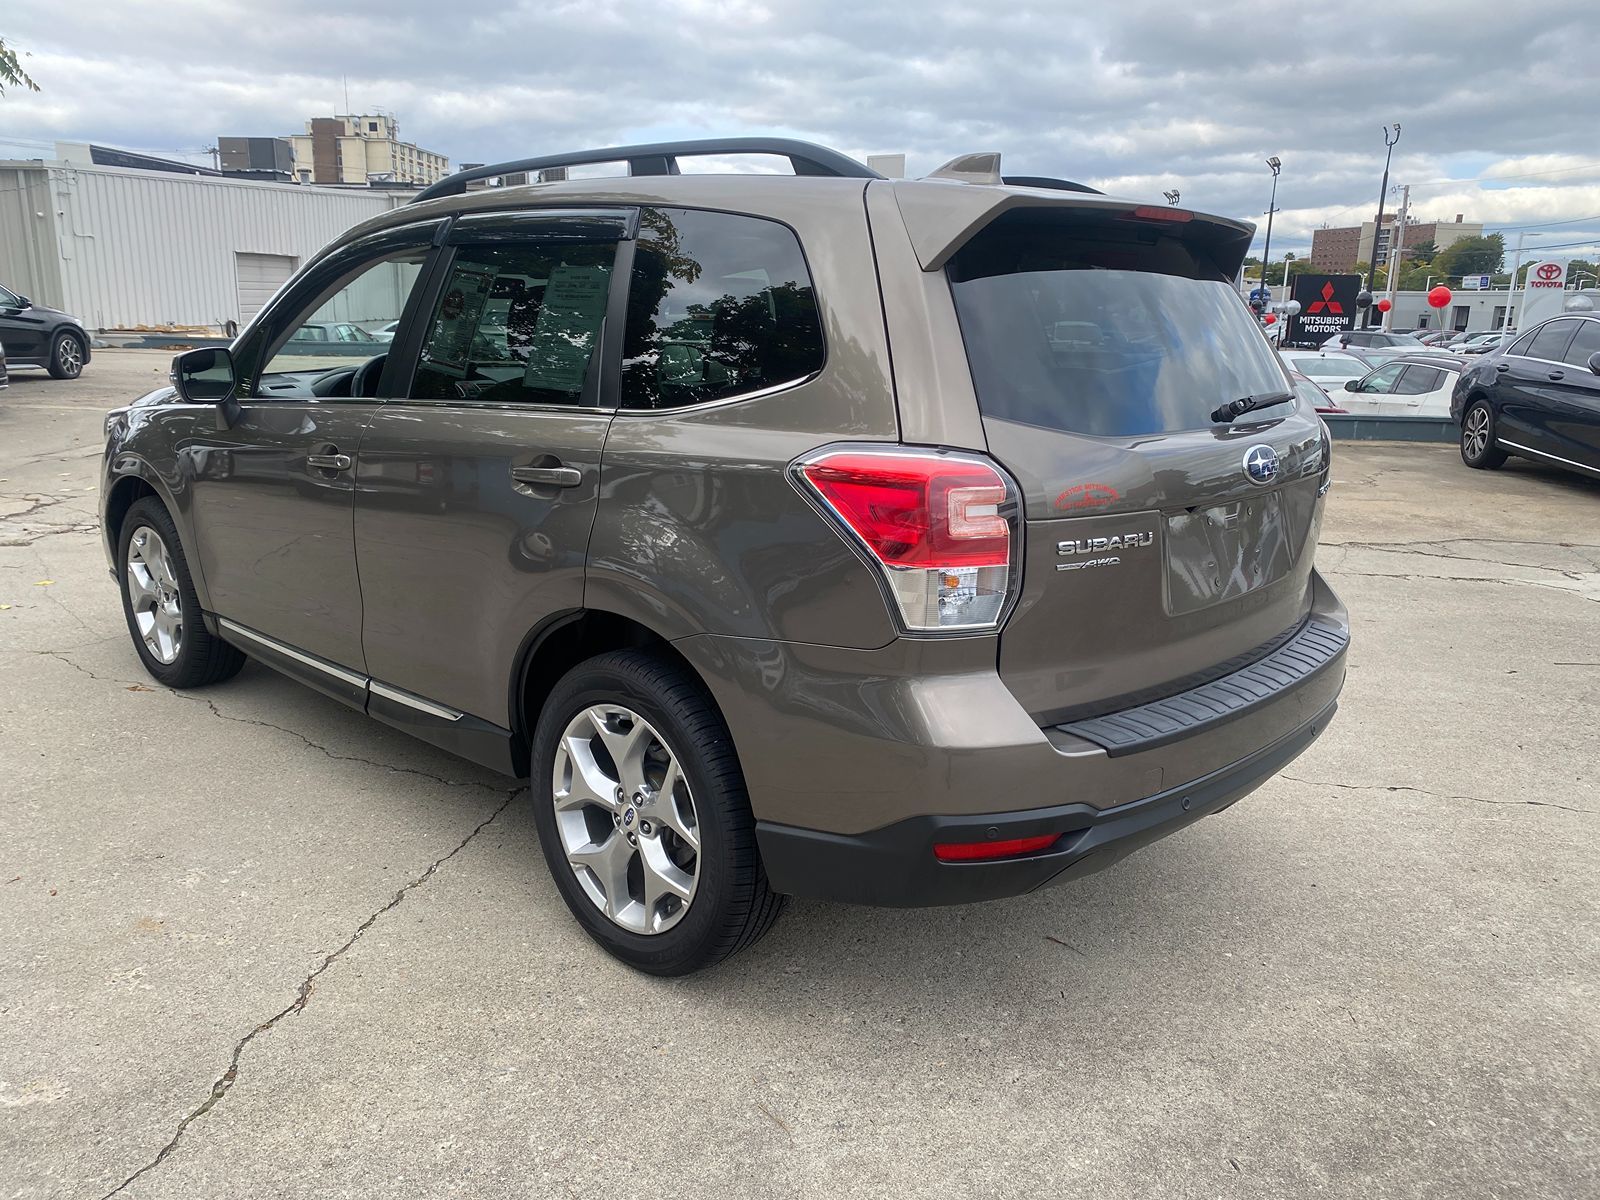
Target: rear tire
[[66, 356], [671, 883], [160, 604], [1478, 449]]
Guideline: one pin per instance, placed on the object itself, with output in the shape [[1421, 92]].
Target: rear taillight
[[940, 528]]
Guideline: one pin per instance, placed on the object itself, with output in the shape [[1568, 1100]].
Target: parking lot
[[253, 943]]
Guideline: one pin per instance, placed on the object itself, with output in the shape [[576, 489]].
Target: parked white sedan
[[1329, 368], [1417, 385]]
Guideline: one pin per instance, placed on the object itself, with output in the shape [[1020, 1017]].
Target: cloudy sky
[[1498, 103]]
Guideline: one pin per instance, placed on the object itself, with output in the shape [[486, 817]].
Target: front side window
[[1585, 346], [718, 306], [1551, 341], [320, 351], [1382, 381], [518, 322]]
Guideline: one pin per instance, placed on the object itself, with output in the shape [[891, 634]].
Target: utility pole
[[1396, 250], [1383, 191], [1274, 164]]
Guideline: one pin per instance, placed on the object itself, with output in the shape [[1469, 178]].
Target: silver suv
[[896, 542]]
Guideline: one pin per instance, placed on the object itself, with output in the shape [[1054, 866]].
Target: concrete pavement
[[254, 944]]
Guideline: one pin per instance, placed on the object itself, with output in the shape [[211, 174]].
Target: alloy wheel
[[154, 595], [70, 356], [626, 818], [1475, 436]]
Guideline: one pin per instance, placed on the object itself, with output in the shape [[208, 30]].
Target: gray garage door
[[260, 275]]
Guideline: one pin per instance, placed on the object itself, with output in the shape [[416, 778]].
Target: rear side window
[[719, 305], [1419, 380], [1551, 341], [1103, 328], [1585, 345], [517, 322]]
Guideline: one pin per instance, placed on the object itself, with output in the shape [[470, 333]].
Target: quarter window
[[1585, 345], [718, 306], [518, 322]]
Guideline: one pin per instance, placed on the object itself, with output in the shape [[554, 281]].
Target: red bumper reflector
[[979, 851]]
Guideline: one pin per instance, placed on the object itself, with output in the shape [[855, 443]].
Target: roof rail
[[1044, 181], [661, 158]]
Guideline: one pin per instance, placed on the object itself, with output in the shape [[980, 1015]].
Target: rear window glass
[[1103, 330], [719, 306], [1586, 344], [1550, 342]]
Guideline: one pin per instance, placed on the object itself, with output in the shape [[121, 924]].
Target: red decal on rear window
[[1087, 495]]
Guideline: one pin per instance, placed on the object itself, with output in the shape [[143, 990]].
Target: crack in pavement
[[1393, 787], [295, 733], [1412, 548], [1341, 569], [229, 1077], [51, 531]]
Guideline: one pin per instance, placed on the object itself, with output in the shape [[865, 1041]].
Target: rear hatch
[[1161, 550]]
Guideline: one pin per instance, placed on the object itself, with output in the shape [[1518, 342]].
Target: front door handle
[[329, 462], [1502, 366], [1558, 375], [548, 476]]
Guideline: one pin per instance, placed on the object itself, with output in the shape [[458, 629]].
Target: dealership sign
[[1543, 289], [1327, 307]]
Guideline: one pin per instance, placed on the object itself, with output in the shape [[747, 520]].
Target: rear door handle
[[1502, 366], [548, 476], [329, 462], [1558, 374]]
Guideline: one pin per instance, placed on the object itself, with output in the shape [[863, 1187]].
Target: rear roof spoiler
[[941, 219]]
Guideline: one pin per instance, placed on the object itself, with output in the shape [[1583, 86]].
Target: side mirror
[[204, 376], [1594, 362], [24, 302], [1352, 385]]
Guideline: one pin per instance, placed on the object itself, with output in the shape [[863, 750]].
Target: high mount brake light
[[1152, 212], [939, 527]]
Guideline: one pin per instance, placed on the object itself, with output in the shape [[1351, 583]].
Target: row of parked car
[[1533, 394]]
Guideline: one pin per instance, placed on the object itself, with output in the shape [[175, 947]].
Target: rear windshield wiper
[[1234, 409]]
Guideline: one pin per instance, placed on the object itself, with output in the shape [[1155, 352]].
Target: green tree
[[1472, 256], [11, 72], [1582, 266], [1423, 252]]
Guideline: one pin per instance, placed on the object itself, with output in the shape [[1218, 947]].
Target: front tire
[[66, 356], [643, 816], [160, 604], [1478, 449]]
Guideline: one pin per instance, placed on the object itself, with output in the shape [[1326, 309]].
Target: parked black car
[[1539, 398], [35, 336]]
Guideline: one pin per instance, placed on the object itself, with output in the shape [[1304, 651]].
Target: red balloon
[[1439, 296], [1384, 305], [1269, 319]]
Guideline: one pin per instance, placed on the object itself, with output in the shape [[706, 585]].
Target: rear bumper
[[859, 761], [895, 866]]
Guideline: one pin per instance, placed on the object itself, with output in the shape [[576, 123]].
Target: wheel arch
[[134, 479], [561, 642]]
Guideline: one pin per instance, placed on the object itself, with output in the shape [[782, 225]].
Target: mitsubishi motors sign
[[1543, 290], [1327, 307]]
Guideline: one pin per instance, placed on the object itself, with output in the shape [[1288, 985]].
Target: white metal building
[[123, 249]]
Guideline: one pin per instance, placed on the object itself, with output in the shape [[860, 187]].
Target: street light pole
[[1383, 191], [1274, 164]]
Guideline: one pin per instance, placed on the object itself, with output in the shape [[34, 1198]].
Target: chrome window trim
[[1545, 454], [721, 401], [270, 643], [412, 700]]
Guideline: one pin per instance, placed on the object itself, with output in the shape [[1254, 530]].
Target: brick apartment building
[[1339, 249]]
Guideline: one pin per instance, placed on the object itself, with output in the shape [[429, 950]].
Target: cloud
[[1137, 96]]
